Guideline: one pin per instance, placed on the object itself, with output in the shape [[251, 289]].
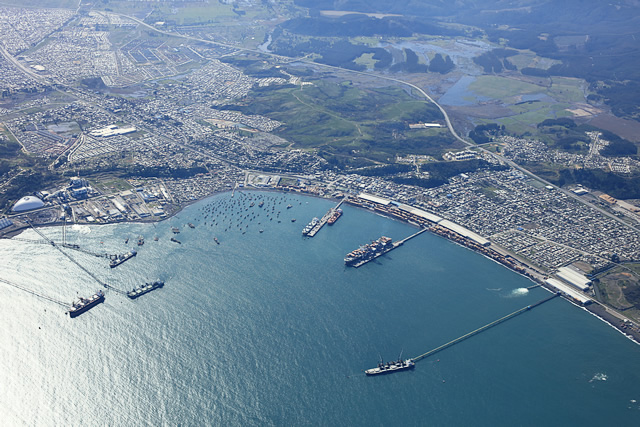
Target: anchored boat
[[148, 287], [84, 304]]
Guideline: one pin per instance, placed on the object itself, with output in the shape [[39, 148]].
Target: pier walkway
[[484, 328], [393, 246], [93, 276], [323, 220], [39, 295]]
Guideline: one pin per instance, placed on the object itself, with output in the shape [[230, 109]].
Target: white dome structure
[[27, 203]]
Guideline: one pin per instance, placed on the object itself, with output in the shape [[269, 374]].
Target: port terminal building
[[574, 278], [445, 223], [569, 291]]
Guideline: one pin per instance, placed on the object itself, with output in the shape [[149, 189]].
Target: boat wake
[[518, 293]]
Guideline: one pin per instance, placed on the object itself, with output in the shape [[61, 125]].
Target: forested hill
[[596, 40]]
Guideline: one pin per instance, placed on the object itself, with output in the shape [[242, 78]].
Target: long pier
[[39, 295], [393, 246], [93, 276], [484, 328], [323, 220]]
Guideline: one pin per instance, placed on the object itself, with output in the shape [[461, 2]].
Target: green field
[[620, 288], [496, 87], [527, 58], [342, 120]]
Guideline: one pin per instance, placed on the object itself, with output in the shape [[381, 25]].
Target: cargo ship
[[85, 304], [148, 287], [310, 226], [119, 259], [336, 214], [367, 252], [389, 367]]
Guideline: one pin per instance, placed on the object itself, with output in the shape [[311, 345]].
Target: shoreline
[[597, 309]]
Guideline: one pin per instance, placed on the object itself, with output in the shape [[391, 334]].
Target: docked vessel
[[119, 259], [333, 218], [370, 251], [148, 287], [389, 367], [84, 304], [310, 226]]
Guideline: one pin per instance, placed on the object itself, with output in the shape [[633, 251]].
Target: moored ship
[[395, 366], [148, 287], [368, 252], [84, 304], [336, 214], [310, 226], [119, 259]]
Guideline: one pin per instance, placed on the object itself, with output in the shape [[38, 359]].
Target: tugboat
[[119, 259], [389, 367], [148, 287], [85, 304]]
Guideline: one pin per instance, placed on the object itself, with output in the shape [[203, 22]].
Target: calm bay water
[[271, 329]]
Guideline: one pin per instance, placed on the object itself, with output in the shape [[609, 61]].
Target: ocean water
[[272, 329]]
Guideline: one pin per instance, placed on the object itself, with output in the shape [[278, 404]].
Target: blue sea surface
[[270, 328]]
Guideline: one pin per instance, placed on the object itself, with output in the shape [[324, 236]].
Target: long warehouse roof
[[375, 199], [573, 277], [463, 231], [422, 214], [568, 290]]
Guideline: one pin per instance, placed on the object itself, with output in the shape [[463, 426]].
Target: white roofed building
[[27, 203]]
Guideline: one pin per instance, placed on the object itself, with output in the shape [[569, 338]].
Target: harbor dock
[[323, 220], [392, 247]]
